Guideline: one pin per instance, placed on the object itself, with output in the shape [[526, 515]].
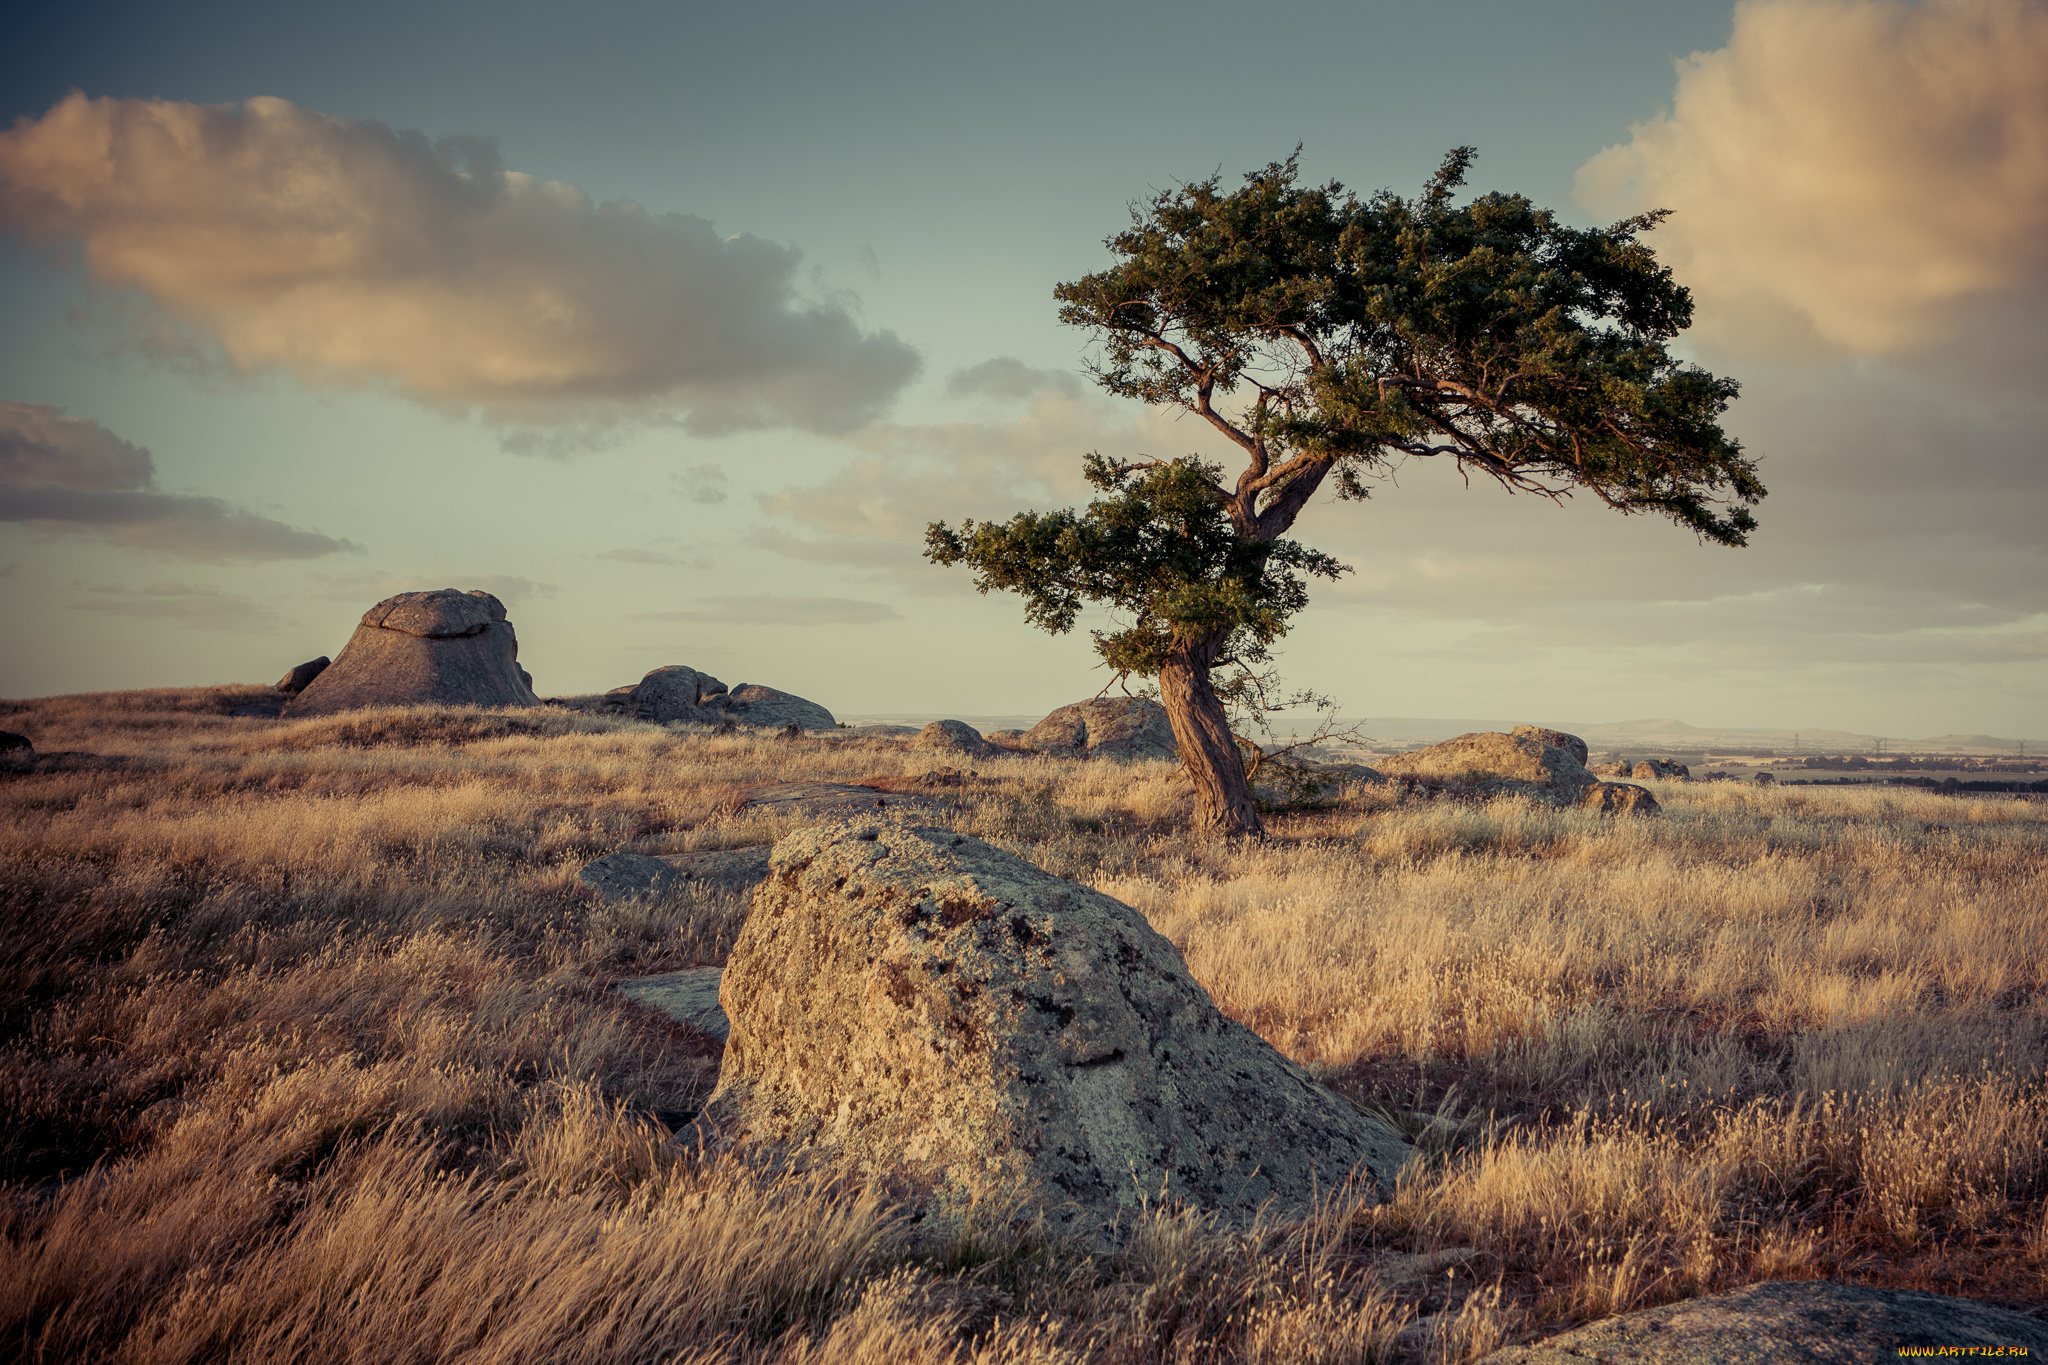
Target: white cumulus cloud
[[1860, 177], [349, 253]]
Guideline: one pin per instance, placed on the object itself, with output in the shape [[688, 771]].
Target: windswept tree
[[1329, 338]]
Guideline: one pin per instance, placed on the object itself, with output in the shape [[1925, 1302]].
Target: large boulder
[[753, 704], [919, 1006], [1489, 764], [677, 692], [1797, 1322], [1105, 727], [1664, 769], [444, 646]]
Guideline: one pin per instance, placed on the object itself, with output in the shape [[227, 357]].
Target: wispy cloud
[[348, 253], [778, 611], [373, 586], [73, 476], [198, 607], [630, 555], [702, 483]]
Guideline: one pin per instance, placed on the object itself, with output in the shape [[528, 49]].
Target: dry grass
[[307, 1052]]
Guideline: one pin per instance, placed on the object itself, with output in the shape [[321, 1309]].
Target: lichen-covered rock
[[677, 692], [1495, 764], [753, 704], [1106, 727], [954, 737], [1652, 769], [442, 647], [1571, 744], [1620, 798], [1795, 1322], [922, 1007]]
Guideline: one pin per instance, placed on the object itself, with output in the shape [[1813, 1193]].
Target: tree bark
[[1207, 750]]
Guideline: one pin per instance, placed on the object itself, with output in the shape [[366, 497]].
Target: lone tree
[[1328, 338]]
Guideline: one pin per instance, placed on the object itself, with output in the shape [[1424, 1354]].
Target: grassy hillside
[[308, 1052]]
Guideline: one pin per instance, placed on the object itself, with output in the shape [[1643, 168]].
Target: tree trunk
[[1207, 750]]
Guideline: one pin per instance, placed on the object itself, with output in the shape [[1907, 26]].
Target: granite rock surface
[[920, 1006]]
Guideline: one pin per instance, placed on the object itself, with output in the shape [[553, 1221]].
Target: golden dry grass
[[307, 1052]]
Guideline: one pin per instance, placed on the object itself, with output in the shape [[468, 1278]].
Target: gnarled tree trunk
[[1207, 750]]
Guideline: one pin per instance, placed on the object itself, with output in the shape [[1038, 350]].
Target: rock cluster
[[1645, 770], [1525, 763], [677, 692], [1799, 1322], [444, 646], [1105, 727], [922, 1007]]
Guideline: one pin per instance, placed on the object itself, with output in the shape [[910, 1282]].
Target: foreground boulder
[[1801, 1322], [922, 1007], [444, 647], [1489, 764], [1106, 727]]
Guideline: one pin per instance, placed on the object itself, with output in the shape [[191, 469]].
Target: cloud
[[1858, 177], [632, 556], [778, 611], [202, 608], [348, 253], [73, 476], [1009, 379], [704, 483], [375, 586]]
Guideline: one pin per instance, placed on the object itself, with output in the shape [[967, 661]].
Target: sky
[[674, 325]]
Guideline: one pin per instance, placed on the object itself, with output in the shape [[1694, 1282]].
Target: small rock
[[753, 704], [629, 876], [1620, 798], [295, 681], [1487, 763], [1105, 727], [677, 692], [15, 750], [1655, 769], [1797, 1322], [689, 997], [953, 736]]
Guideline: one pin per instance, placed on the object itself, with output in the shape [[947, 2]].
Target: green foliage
[[1160, 550], [1358, 332]]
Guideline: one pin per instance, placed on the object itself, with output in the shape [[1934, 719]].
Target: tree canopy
[[1328, 336]]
